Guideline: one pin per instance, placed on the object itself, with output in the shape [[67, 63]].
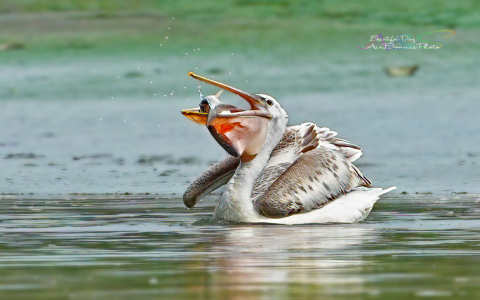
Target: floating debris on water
[[151, 159], [12, 46], [168, 172], [23, 156], [93, 156], [168, 159], [133, 74], [8, 144], [401, 71], [184, 161]]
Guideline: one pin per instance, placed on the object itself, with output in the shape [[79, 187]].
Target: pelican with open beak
[[277, 173]]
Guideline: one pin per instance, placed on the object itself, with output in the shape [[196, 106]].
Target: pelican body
[[277, 173]]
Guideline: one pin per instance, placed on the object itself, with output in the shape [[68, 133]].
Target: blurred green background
[[143, 49]]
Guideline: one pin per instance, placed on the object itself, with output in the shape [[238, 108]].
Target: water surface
[[94, 158], [144, 246]]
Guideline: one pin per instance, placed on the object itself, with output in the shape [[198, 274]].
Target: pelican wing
[[307, 169]]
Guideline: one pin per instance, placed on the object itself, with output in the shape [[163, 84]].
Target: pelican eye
[[204, 106], [269, 102]]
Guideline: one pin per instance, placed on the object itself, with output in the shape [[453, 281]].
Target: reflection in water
[[145, 246], [253, 257]]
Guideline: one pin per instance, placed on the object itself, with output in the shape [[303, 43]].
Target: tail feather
[[365, 181]]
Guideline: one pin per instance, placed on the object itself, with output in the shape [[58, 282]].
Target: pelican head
[[242, 133]]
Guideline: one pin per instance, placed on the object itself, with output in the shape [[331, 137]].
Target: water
[[90, 211], [91, 185], [143, 246], [419, 143]]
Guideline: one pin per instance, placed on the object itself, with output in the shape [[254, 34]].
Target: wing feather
[[307, 169]]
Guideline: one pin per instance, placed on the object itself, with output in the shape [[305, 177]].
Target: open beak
[[237, 130], [201, 117], [254, 100], [196, 115]]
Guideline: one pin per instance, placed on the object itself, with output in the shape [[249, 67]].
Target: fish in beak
[[240, 132], [196, 115]]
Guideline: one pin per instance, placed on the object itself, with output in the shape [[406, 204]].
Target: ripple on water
[[144, 244]]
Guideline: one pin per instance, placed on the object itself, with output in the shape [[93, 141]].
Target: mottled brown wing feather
[[309, 168]]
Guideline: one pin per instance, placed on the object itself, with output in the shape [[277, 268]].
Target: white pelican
[[277, 173]]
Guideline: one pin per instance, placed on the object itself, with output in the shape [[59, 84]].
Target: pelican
[[275, 173]]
